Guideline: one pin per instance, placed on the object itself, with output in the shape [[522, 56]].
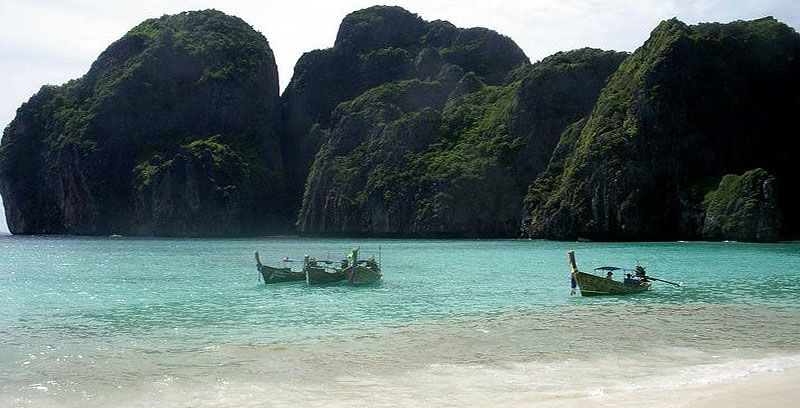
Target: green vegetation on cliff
[[743, 208], [693, 103], [466, 179], [380, 45], [446, 157], [152, 99], [414, 128]]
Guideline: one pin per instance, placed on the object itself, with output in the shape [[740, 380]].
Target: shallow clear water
[[181, 322]]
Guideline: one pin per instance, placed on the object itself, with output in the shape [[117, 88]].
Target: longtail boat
[[273, 274], [361, 272], [594, 285], [317, 274]]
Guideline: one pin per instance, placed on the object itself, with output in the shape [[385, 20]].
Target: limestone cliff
[[408, 127], [690, 105], [374, 46], [743, 208], [450, 155], [117, 151]]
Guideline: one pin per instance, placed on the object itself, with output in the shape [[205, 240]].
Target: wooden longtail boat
[[272, 274], [318, 275], [593, 285], [361, 272], [357, 272]]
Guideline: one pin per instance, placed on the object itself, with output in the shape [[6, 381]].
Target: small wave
[[38, 387]]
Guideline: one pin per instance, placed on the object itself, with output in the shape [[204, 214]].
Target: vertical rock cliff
[[375, 46], [690, 105], [445, 146], [744, 208], [173, 131], [407, 127]]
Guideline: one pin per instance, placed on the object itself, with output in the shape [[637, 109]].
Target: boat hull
[[362, 275], [319, 276], [278, 275], [593, 285]]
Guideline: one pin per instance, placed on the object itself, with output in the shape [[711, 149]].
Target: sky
[[50, 42]]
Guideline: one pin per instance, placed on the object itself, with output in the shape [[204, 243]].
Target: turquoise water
[[182, 322]]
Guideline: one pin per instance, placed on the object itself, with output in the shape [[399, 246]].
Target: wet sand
[[771, 389]]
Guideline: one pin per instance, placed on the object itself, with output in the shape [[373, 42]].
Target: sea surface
[[140, 322]]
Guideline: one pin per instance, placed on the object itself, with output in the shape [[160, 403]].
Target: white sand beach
[[779, 389], [776, 389]]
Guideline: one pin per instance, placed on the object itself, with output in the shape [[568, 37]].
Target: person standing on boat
[[610, 275]]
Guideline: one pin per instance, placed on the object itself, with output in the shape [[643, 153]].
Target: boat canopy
[[615, 268]]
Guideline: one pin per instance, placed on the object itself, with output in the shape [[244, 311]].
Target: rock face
[[407, 127], [690, 105], [375, 46], [743, 208], [451, 151], [173, 131], [357, 184], [557, 91]]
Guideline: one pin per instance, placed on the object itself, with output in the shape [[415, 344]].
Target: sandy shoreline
[[774, 389], [765, 389], [770, 389]]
